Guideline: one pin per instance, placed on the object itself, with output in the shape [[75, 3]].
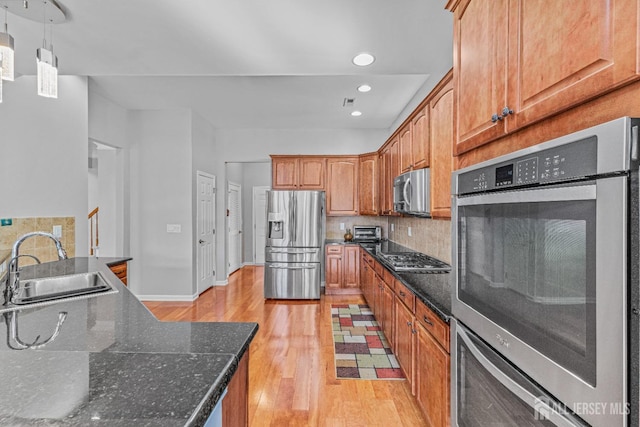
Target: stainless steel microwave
[[411, 194]]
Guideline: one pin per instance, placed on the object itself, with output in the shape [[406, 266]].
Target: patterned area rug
[[360, 348]]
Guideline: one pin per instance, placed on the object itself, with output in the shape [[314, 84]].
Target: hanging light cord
[[44, 25]]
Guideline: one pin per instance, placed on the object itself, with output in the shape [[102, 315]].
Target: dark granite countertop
[[338, 242], [433, 289], [113, 362]]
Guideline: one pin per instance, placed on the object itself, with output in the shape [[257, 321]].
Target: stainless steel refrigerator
[[294, 261]]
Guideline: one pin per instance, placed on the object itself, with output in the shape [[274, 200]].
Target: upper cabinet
[[342, 185], [517, 62], [298, 172], [404, 147], [368, 184], [441, 135], [420, 144]]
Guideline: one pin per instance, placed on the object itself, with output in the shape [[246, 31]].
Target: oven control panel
[[565, 162]]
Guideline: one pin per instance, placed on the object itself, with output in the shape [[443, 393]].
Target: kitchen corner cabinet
[[342, 185], [298, 172], [441, 135], [368, 184], [517, 62], [342, 275]]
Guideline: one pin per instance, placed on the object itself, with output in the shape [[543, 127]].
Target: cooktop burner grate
[[414, 262]]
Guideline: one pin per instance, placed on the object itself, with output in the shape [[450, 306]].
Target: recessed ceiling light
[[356, 113], [363, 59], [364, 88]]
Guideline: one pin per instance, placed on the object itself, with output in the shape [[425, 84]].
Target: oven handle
[[557, 194], [540, 406]]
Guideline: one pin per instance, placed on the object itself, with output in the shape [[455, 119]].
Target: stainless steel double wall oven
[[545, 273]]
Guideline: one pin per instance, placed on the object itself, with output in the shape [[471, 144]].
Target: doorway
[[234, 220], [206, 222], [259, 223]]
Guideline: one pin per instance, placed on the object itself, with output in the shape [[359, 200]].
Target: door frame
[[253, 218], [214, 234], [228, 222]]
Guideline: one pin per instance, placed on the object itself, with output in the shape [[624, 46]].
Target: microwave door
[[406, 194]]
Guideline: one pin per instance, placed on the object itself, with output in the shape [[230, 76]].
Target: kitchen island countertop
[[113, 362]]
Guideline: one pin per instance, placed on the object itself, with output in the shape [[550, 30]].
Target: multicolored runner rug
[[360, 348]]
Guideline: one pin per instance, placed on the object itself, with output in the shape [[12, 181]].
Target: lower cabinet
[[235, 406], [342, 275], [432, 377], [405, 339], [120, 270]]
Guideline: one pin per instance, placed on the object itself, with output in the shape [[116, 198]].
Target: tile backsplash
[[40, 247], [430, 236]]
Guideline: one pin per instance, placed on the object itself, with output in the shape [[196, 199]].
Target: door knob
[[201, 241]]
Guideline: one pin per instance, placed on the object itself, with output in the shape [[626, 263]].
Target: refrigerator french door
[[541, 255], [294, 261]]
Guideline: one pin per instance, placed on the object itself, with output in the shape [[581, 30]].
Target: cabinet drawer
[[432, 323], [334, 249], [378, 268], [406, 296], [389, 280]]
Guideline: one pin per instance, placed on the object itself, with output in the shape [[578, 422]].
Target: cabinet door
[[284, 173], [394, 171], [382, 184], [342, 186], [386, 182], [441, 129], [351, 267], [404, 338], [406, 156], [311, 173], [368, 184], [561, 55], [432, 379], [479, 63], [334, 269], [420, 139], [387, 310]]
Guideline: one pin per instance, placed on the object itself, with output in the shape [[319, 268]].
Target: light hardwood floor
[[291, 371]]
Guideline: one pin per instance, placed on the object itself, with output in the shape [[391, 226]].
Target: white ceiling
[[251, 63]]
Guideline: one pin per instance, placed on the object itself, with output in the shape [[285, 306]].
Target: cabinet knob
[[495, 118], [402, 294], [506, 111], [408, 323]]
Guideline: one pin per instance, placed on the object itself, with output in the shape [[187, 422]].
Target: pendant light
[[6, 51], [47, 63]]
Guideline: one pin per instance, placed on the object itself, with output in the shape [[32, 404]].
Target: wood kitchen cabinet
[[368, 184], [420, 138], [342, 185], [405, 338], [386, 306], [342, 275], [390, 157], [517, 62], [432, 378], [235, 405], [298, 172], [404, 147], [441, 131], [120, 270]]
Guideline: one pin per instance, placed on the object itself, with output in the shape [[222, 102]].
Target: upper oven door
[[540, 274]]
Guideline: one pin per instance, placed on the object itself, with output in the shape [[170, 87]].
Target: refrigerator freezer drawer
[[284, 255], [292, 280]]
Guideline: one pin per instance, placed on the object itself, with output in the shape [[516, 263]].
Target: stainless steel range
[[414, 262]]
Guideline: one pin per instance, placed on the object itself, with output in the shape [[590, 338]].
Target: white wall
[[43, 164], [253, 175], [161, 194]]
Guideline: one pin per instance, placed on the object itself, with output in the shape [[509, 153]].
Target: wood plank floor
[[291, 371]]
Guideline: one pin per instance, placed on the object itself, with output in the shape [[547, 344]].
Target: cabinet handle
[[427, 321], [495, 118], [413, 331], [506, 111], [402, 294], [408, 323]]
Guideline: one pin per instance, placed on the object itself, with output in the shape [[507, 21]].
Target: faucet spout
[[62, 254]]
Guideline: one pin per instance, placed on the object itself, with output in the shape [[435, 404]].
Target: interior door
[[206, 230], [259, 223], [234, 214]]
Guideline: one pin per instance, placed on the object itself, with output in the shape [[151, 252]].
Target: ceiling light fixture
[[6, 51], [47, 64], [356, 113], [363, 59], [364, 88]]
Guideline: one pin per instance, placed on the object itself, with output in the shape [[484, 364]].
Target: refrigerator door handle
[[289, 251], [288, 267]]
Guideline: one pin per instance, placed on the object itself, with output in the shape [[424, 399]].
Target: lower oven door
[[487, 391], [292, 280], [540, 274]]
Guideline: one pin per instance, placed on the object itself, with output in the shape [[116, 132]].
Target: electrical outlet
[[6, 221], [342, 226], [409, 231], [174, 228], [393, 227], [57, 231]]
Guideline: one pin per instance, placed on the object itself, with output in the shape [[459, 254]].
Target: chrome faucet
[[13, 274]]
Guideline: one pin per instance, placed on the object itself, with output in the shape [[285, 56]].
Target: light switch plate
[[393, 227], [409, 231], [342, 226], [57, 231], [174, 228]]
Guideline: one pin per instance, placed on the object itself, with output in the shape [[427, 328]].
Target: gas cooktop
[[414, 262]]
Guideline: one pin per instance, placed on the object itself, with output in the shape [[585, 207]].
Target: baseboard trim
[[188, 298], [222, 282]]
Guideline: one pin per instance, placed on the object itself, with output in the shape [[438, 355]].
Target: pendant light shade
[[47, 73], [6, 50]]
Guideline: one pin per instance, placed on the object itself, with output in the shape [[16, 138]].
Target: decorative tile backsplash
[[40, 247], [429, 236]]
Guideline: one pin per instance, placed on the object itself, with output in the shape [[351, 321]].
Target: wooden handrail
[[93, 214]]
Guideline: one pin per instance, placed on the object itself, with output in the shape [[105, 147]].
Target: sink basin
[[33, 291]]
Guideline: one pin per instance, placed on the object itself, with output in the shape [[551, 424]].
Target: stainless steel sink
[[32, 291]]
